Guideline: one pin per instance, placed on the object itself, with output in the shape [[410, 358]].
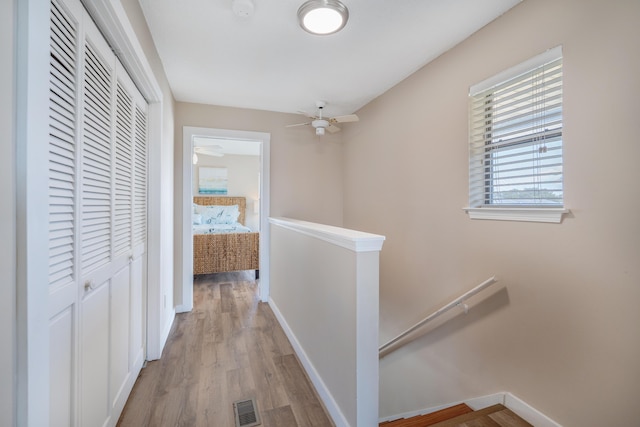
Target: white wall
[[7, 216], [243, 179], [563, 334]]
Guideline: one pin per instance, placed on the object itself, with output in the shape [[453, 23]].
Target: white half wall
[[324, 292]]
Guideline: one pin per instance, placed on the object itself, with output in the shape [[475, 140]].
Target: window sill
[[553, 215]]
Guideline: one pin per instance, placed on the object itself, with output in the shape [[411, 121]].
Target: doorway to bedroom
[[230, 164]]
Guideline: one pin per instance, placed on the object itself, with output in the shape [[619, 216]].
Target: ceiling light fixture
[[323, 17]]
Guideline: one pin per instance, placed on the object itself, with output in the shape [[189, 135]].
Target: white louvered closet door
[[97, 217]]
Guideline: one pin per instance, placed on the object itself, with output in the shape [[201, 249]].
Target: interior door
[[97, 223]]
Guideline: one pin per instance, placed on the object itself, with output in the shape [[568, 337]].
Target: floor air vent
[[246, 413]]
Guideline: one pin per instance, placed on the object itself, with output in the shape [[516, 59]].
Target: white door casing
[[186, 262]]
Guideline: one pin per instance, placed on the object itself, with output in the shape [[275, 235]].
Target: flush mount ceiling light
[[323, 17]]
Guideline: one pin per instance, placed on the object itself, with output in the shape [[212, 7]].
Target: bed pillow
[[219, 214]]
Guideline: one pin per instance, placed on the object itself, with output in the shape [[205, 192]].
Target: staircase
[[463, 416]]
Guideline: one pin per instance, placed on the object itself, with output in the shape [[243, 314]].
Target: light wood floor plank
[[229, 348]]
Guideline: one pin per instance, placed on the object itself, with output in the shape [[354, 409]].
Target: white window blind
[[62, 146], [515, 126]]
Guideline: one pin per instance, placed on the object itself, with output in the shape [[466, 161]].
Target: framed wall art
[[212, 180]]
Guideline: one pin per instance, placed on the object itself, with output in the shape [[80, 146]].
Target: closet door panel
[[62, 145], [61, 351], [136, 333], [64, 76], [140, 171], [97, 223], [94, 356], [96, 154], [138, 227], [123, 170], [119, 330]]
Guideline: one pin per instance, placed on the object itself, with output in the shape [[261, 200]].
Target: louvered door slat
[[62, 125], [123, 147], [140, 178], [61, 82], [96, 163]]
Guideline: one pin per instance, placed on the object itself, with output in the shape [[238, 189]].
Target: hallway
[[229, 348]]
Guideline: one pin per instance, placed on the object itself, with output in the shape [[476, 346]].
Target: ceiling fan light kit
[[320, 123], [323, 17]]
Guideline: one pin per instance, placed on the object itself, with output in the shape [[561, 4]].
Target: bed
[[229, 247]]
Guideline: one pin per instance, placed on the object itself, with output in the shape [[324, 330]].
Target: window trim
[[528, 213]]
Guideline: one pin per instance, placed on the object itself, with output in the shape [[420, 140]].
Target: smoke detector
[[242, 8]]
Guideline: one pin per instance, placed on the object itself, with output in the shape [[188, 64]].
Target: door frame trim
[[185, 285]]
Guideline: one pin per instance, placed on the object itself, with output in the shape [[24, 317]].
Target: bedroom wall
[[7, 216], [243, 179], [306, 170], [561, 331]]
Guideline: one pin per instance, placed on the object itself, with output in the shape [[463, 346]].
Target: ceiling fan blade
[[208, 152], [345, 119], [304, 113], [333, 128], [298, 124]]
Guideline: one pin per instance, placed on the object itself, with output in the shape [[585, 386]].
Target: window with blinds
[[515, 127]]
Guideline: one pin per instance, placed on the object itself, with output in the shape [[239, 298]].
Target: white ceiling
[[268, 62]]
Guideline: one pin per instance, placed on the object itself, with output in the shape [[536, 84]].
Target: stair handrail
[[456, 302]]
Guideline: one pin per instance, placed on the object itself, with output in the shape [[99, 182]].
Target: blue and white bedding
[[217, 219], [220, 228]]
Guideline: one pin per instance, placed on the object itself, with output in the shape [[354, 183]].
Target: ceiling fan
[[321, 123], [209, 150]]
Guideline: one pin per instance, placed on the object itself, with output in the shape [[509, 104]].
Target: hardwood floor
[[229, 348]]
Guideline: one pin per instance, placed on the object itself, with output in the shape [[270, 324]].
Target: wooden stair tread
[[506, 417], [463, 416], [430, 419], [493, 416]]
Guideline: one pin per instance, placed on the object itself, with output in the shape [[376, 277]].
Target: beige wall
[[7, 216], [563, 334], [306, 170], [243, 174]]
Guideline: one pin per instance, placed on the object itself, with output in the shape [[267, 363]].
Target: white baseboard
[[527, 412], [517, 405], [325, 395]]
